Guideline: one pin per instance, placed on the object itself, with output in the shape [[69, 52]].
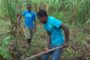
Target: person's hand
[[65, 45], [17, 15], [35, 30]]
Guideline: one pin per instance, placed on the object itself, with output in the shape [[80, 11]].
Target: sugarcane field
[[44, 29]]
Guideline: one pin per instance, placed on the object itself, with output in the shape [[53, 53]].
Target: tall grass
[[76, 10], [69, 11]]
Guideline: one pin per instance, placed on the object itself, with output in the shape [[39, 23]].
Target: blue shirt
[[53, 27], [29, 16]]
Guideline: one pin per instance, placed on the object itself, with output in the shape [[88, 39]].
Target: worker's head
[[29, 7], [42, 16]]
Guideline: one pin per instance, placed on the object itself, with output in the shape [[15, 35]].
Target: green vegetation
[[74, 13]]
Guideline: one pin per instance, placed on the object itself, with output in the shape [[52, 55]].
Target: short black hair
[[42, 13]]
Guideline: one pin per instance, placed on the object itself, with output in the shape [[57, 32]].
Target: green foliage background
[[74, 13]]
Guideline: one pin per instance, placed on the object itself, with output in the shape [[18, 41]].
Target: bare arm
[[35, 25], [66, 32], [35, 17], [19, 17]]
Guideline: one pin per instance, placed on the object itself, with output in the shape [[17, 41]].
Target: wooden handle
[[44, 52]]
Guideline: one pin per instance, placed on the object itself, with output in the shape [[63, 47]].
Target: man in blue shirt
[[29, 22], [58, 32]]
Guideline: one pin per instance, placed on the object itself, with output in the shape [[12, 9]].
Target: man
[[58, 32], [29, 23]]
